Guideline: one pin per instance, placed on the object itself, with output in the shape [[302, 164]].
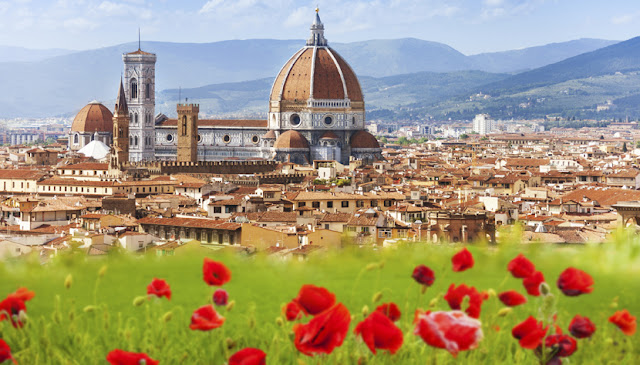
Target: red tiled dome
[[291, 139], [363, 139], [94, 117]]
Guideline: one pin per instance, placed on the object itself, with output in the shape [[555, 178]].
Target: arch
[[76, 138], [184, 125], [147, 89], [135, 140], [134, 88]]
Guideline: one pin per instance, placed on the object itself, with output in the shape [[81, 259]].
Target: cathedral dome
[[316, 72], [94, 117], [291, 139], [364, 139]]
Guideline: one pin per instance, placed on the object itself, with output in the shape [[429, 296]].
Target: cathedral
[[316, 112]]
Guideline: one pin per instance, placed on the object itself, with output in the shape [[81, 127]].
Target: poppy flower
[[215, 273], [120, 357], [248, 356], [532, 283], [462, 261], [159, 288], [581, 327], [512, 298], [625, 321], [453, 331], [423, 275], [574, 282], [324, 332], [455, 296], [390, 310], [5, 352], [220, 297], [379, 332], [314, 299], [14, 304], [530, 333], [206, 318], [564, 345], [520, 267], [292, 311]]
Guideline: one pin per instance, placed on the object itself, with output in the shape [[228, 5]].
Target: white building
[[483, 125]]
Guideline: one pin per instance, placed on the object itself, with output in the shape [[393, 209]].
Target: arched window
[[147, 89], [134, 89], [119, 132], [184, 125], [75, 138], [130, 141], [135, 140]]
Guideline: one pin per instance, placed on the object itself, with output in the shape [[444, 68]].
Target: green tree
[[624, 147], [464, 136]]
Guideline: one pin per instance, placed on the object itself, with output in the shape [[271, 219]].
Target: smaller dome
[[95, 149], [329, 135], [94, 117], [269, 135], [364, 139], [291, 139]]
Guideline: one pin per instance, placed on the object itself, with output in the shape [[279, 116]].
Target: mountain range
[[39, 85]]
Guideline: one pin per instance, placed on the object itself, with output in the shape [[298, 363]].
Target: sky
[[469, 26]]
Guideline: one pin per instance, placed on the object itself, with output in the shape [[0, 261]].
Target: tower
[[120, 148], [188, 132], [139, 87]]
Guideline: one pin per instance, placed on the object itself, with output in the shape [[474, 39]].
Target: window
[[374, 203], [387, 203], [351, 229], [134, 89], [329, 204], [147, 89], [345, 204], [255, 139], [301, 204], [217, 209], [135, 140], [226, 138], [169, 138], [184, 125], [384, 233], [326, 226], [328, 120], [295, 120], [402, 233], [315, 205], [359, 203], [75, 139]]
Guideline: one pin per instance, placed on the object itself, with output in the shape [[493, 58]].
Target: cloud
[[493, 2], [79, 24], [109, 8], [624, 19], [4, 7]]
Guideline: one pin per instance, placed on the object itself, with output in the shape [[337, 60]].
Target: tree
[[464, 136], [624, 147]]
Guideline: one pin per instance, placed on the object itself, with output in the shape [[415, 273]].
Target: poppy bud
[[72, 315], [229, 343], [102, 271], [433, 302], [22, 316], [279, 322], [372, 266], [167, 317], [365, 311], [89, 308], [608, 341], [545, 289], [492, 293], [504, 311], [376, 297], [139, 300], [68, 281], [231, 305]]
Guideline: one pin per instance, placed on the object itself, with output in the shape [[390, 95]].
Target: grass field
[[80, 325]]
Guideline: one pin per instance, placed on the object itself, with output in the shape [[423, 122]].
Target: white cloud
[[4, 7], [80, 24], [493, 2], [624, 19]]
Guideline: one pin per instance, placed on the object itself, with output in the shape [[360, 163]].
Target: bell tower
[[120, 147], [139, 87], [188, 132]]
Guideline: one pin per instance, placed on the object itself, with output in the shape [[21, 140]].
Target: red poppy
[[5, 352], [120, 357], [453, 331], [206, 318], [532, 283], [512, 298], [423, 275], [581, 327], [159, 288], [314, 299], [220, 297], [530, 333], [574, 282], [625, 321], [462, 261], [324, 332], [455, 296], [248, 356], [215, 273], [14, 304], [520, 267], [390, 310], [379, 332], [292, 311], [562, 345]]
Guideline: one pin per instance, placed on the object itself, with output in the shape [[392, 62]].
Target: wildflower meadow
[[509, 303]]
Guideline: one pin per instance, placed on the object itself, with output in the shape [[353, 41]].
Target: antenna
[[139, 39]]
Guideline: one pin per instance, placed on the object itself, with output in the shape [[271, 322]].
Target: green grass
[[60, 331]]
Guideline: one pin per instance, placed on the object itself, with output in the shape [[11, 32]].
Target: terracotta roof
[[291, 139], [269, 135], [86, 166], [191, 223], [606, 196], [141, 52], [21, 174], [625, 173], [363, 139], [336, 218], [238, 123], [94, 117], [329, 135]]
